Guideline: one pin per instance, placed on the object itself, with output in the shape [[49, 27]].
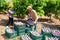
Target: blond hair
[[29, 7]]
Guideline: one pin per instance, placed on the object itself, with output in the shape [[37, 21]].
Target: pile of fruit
[[56, 32], [47, 30], [10, 33], [18, 23], [10, 30], [36, 33], [52, 38], [19, 27], [25, 37], [30, 22]]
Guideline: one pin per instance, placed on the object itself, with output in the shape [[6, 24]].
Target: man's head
[[9, 7], [29, 8]]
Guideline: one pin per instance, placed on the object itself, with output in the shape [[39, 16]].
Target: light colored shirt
[[10, 13], [33, 15]]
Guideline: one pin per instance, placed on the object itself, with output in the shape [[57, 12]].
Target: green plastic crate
[[55, 33], [31, 25], [34, 37], [10, 35], [38, 39], [51, 38], [48, 34], [19, 25], [27, 30], [19, 28], [46, 31], [21, 38], [20, 32]]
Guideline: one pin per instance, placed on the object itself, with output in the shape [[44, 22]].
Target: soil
[[4, 20]]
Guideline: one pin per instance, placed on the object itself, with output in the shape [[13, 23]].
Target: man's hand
[[28, 15]]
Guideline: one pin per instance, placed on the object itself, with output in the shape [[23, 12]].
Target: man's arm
[[35, 13], [28, 15], [11, 12]]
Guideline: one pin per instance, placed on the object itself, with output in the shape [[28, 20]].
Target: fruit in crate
[[56, 32], [36, 33], [25, 37], [18, 23], [30, 21], [47, 30], [51, 38], [10, 30]]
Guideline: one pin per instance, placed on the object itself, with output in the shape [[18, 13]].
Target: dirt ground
[[4, 20]]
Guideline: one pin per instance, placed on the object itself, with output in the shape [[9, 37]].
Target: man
[[32, 15], [10, 15]]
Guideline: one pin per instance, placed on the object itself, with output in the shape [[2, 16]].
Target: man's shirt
[[10, 12]]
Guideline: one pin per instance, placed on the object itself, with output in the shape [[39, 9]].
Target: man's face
[[30, 9], [10, 8]]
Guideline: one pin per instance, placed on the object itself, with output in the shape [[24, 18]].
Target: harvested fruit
[[47, 30], [52, 38], [25, 37], [10, 30], [56, 32], [18, 23], [30, 22], [35, 33]]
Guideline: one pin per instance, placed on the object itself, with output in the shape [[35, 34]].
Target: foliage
[[43, 7], [57, 15], [3, 5], [20, 8]]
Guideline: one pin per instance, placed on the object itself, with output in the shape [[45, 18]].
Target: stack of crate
[[10, 33], [50, 33], [51, 38], [56, 33], [19, 27], [46, 30], [35, 35], [25, 37], [31, 24]]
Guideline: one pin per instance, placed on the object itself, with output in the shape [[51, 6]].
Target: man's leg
[[35, 25], [8, 21], [12, 21]]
